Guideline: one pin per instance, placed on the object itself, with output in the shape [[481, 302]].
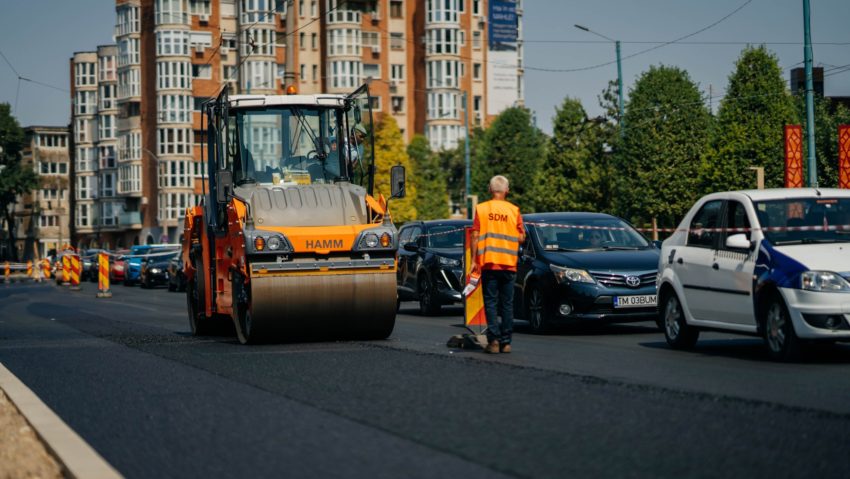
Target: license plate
[[641, 301]]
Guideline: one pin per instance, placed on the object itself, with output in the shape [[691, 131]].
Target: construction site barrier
[[66, 270], [103, 276], [7, 272], [45, 268]]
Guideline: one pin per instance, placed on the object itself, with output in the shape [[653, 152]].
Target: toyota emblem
[[632, 281]]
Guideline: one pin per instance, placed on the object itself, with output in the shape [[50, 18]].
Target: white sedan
[[775, 263]]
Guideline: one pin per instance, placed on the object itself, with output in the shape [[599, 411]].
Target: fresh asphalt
[[154, 401]]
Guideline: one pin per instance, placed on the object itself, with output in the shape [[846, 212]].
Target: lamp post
[[466, 156], [810, 109], [619, 74]]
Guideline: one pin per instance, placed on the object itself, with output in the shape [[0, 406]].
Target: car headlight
[[826, 281], [448, 261], [156, 270], [565, 275]]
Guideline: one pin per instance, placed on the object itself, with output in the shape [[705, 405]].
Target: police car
[[775, 263]]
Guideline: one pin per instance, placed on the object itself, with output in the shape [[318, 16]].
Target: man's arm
[[520, 229], [473, 248]]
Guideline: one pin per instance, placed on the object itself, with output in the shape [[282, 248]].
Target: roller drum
[[337, 305]]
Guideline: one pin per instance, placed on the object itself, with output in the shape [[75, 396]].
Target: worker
[[355, 146], [497, 232]]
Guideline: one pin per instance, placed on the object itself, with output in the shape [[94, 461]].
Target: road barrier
[[45, 268], [66, 270], [29, 269], [8, 272], [75, 272], [103, 276]]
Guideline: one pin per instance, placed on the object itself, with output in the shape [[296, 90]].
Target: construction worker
[[497, 232]]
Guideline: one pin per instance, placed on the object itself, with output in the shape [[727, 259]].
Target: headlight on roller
[[570, 275], [369, 241], [825, 281], [375, 239], [273, 243], [266, 242]]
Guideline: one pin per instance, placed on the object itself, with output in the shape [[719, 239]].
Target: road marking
[[77, 457]]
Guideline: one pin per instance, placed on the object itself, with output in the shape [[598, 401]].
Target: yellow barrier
[[45, 268], [103, 276], [66, 270], [75, 272], [8, 272]]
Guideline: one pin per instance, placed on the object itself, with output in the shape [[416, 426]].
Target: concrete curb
[[78, 458]]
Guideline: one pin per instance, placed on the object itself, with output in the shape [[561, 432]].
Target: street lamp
[[619, 73]]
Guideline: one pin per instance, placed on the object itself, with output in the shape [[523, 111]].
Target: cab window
[[702, 230]]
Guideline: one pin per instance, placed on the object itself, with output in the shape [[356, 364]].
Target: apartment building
[[421, 58], [42, 217]]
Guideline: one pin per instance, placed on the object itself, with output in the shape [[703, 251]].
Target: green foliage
[[15, 178], [667, 131], [512, 146], [576, 173], [390, 149], [750, 125], [826, 139], [432, 198]]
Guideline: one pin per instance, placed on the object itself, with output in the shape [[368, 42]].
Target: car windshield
[[805, 220], [588, 234], [445, 236], [288, 146]]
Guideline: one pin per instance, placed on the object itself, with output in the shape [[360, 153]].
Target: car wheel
[[678, 333], [538, 316], [429, 305], [779, 335]]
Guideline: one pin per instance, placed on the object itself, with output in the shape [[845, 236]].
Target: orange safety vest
[[498, 239]]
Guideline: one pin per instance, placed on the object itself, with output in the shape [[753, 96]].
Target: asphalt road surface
[[154, 401]]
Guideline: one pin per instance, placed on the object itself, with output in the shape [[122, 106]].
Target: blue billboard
[[503, 22]]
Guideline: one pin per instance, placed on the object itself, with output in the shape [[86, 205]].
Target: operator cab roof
[[254, 101]]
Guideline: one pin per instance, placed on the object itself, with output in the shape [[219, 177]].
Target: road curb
[[77, 458]]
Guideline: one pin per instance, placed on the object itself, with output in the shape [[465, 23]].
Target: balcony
[[130, 219]]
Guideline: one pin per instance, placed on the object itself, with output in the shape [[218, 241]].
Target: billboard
[[502, 56], [503, 22]]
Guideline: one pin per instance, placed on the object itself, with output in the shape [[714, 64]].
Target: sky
[[39, 36]]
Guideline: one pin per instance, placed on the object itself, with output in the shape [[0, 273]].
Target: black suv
[[430, 259], [578, 267], [155, 271]]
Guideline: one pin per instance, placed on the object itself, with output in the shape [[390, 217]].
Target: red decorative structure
[[793, 156], [844, 156]]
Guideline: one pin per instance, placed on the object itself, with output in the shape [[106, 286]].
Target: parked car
[[577, 267], [133, 264], [430, 263], [155, 271], [772, 263], [116, 266], [89, 265], [176, 279]]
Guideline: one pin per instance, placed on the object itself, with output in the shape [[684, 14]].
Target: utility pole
[[466, 199], [620, 91], [810, 107]]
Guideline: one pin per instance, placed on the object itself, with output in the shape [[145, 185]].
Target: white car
[[775, 263]]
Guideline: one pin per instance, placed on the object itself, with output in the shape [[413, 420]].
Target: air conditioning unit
[[481, 19], [393, 86], [204, 18], [199, 48], [224, 50]]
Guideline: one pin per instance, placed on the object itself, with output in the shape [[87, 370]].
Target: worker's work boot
[[505, 348], [492, 348]]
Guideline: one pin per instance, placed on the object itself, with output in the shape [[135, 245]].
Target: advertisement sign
[[793, 156], [502, 56], [503, 22], [844, 156]]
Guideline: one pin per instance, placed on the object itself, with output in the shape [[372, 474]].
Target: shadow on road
[[590, 329], [752, 349]]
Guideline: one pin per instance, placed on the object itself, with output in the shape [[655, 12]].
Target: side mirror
[[739, 241], [224, 185], [412, 247], [657, 243], [357, 116], [397, 182]]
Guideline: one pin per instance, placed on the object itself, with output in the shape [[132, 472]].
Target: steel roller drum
[[334, 304]]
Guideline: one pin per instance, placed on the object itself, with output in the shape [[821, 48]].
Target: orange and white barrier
[[473, 302], [75, 271], [7, 272], [45, 268], [103, 276]]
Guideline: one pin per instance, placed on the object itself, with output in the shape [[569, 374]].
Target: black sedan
[[578, 267], [430, 262], [155, 271], [176, 279]]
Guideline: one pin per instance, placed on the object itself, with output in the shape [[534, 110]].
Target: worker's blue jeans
[[498, 288]]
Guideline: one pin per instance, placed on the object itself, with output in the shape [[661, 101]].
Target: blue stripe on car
[[773, 267]]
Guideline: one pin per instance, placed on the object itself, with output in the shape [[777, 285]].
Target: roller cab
[[291, 239]]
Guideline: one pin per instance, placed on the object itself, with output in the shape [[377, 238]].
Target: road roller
[[290, 239]]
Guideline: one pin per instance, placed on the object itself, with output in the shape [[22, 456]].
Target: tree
[[15, 178], [576, 173], [432, 198], [750, 124], [512, 146], [390, 151], [826, 138], [667, 130]]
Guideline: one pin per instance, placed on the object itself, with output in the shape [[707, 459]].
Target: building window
[[173, 76], [203, 72], [130, 179], [476, 40], [476, 104], [443, 40], [345, 74], [82, 215], [107, 97], [107, 184], [176, 174], [84, 103], [170, 11], [172, 42], [106, 127], [86, 187], [200, 40], [128, 52], [258, 75], [302, 41], [259, 41], [85, 159], [259, 11], [338, 12], [130, 146], [396, 9], [397, 72], [82, 130], [444, 137], [107, 156], [372, 70], [109, 211], [397, 41], [344, 41], [128, 83], [172, 206], [315, 72], [476, 7], [442, 73], [52, 141], [174, 108], [174, 141], [302, 72], [443, 106], [314, 8], [443, 11], [397, 104], [314, 41], [476, 71], [375, 103], [199, 7], [84, 74], [128, 20], [106, 68]]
